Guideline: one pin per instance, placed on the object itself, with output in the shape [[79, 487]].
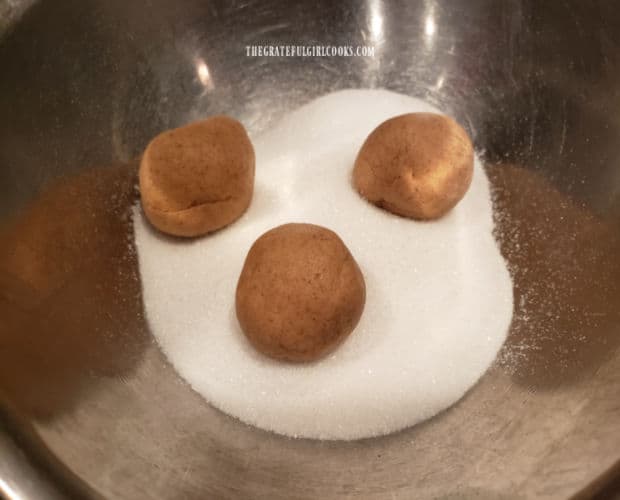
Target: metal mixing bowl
[[91, 407]]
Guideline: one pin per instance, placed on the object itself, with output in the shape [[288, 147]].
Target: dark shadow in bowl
[[566, 274], [70, 296]]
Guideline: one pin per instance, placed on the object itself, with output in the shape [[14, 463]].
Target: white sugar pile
[[439, 296]]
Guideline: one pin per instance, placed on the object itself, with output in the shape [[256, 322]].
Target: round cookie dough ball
[[197, 178], [300, 292], [418, 165]]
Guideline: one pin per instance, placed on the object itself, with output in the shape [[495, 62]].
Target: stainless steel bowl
[[90, 407]]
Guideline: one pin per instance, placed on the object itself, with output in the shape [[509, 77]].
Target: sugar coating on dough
[[197, 178], [438, 295], [300, 292]]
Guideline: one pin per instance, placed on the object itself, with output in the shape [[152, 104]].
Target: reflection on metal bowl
[[89, 404]]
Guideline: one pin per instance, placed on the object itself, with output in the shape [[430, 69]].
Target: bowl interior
[[85, 84]]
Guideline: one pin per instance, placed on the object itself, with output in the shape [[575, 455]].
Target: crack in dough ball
[[300, 292], [198, 178], [417, 165]]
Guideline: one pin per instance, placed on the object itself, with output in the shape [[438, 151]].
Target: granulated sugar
[[439, 295]]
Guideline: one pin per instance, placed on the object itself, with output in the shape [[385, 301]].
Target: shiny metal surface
[[90, 407]]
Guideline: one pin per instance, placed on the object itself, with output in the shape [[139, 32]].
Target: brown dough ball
[[300, 292], [418, 165], [197, 178]]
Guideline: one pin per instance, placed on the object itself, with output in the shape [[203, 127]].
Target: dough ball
[[418, 165], [300, 292], [198, 178]]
